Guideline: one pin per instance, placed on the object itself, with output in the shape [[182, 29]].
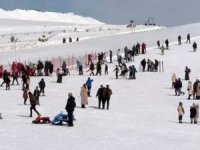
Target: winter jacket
[[198, 89], [71, 104], [25, 94], [173, 78], [180, 111], [32, 99], [89, 83], [42, 84], [193, 112], [84, 95], [189, 88]]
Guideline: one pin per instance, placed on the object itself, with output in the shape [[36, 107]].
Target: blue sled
[[59, 119]]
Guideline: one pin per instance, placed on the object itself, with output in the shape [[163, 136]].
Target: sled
[[41, 120], [59, 119]]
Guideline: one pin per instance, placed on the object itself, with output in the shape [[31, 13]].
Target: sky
[[164, 12]]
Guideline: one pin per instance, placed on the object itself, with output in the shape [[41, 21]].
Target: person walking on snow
[[84, 96], [89, 85], [71, 104], [180, 112], [187, 72], [33, 104], [189, 89]]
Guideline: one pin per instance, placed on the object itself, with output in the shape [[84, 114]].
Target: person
[[189, 89], [179, 85], [71, 104], [188, 38], [7, 81], [187, 72], [42, 85], [106, 69], [98, 68], [195, 88], [143, 63], [84, 96], [110, 52], [162, 50], [197, 114], [25, 95], [28, 80], [89, 85], [5, 74], [36, 93], [167, 44], [179, 40], [15, 78], [194, 46], [80, 67], [64, 67], [33, 104], [92, 68], [193, 113], [108, 95], [198, 91], [173, 80], [99, 95], [116, 71], [158, 44], [180, 112], [59, 75]]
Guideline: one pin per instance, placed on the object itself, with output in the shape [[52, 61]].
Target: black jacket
[[71, 104]]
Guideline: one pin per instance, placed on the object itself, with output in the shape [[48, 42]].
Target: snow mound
[[34, 15]]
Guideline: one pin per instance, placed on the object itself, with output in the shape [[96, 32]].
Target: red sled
[[41, 120]]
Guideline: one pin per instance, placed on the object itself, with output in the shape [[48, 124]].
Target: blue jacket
[[89, 83]]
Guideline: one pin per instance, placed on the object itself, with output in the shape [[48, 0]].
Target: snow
[[143, 112], [33, 15]]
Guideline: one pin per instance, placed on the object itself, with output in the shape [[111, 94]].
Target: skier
[[64, 67], [180, 112], [33, 103], [189, 89], [187, 72], [197, 113], [71, 104], [84, 96], [143, 48]]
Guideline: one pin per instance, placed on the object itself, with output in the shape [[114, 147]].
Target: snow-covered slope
[[33, 15], [143, 112]]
